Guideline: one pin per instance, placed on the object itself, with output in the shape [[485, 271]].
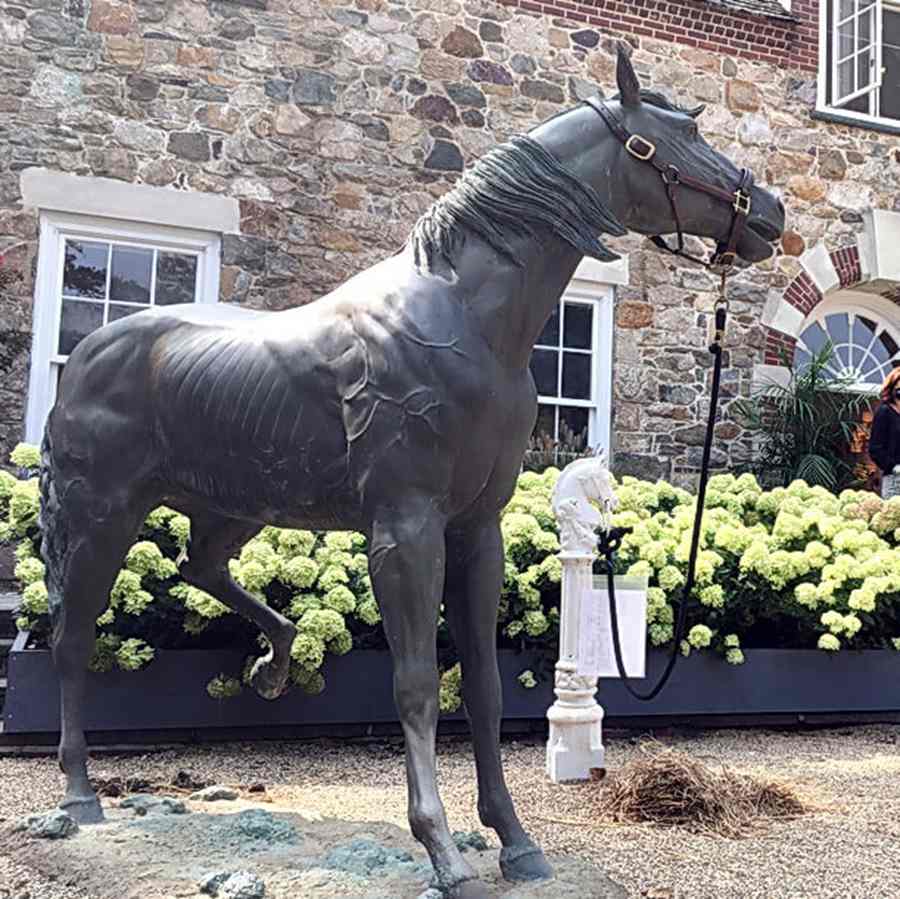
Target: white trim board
[[61, 192]]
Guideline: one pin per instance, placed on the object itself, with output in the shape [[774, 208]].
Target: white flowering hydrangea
[[25, 456], [699, 636], [30, 570], [300, 571], [796, 560]]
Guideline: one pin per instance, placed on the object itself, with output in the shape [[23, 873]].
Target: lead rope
[[610, 541]]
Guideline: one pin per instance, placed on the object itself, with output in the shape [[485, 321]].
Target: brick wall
[[694, 23]]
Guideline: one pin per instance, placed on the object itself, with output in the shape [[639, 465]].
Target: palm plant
[[808, 425]]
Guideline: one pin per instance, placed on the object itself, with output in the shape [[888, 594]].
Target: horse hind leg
[[84, 545], [215, 539]]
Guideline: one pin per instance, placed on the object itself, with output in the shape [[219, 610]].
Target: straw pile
[[670, 788]]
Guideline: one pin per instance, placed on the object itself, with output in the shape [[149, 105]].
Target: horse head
[[682, 151], [586, 482], [659, 175]]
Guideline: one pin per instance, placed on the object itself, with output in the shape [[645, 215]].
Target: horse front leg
[[406, 562], [471, 597]]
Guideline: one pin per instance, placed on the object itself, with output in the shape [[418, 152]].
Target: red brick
[[689, 22]]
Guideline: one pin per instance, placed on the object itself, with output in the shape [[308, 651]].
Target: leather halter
[[722, 261]]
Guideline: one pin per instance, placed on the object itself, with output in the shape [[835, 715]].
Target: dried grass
[[672, 789]]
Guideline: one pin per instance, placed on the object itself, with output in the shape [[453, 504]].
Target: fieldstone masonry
[[336, 123]]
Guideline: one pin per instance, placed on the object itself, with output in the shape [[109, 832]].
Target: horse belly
[[248, 435]]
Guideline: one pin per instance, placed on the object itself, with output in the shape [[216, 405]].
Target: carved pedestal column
[[575, 745]]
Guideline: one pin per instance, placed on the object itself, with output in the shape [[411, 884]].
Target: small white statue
[[582, 484]]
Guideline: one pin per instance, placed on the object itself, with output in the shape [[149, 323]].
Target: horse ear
[[629, 86]]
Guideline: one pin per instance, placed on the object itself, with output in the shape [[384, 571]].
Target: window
[[866, 347], [860, 59], [571, 366], [95, 271]]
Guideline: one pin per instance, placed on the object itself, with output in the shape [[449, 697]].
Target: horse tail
[[53, 532]]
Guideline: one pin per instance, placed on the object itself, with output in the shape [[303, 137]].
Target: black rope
[[608, 544]]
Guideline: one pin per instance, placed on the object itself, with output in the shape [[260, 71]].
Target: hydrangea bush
[[795, 567]]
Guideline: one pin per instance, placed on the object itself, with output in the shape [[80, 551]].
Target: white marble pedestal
[[575, 747]]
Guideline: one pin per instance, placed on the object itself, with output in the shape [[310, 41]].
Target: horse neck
[[513, 303]]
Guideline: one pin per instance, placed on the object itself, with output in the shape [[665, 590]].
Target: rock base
[[156, 855]]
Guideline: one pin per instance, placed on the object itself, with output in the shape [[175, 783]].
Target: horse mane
[[511, 192]]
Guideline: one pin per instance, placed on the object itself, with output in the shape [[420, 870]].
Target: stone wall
[[337, 123]]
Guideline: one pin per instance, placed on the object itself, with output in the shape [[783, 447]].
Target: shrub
[[795, 567], [809, 425]]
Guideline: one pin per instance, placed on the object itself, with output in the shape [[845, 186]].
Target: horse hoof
[[83, 811], [267, 682], [468, 889], [523, 863]]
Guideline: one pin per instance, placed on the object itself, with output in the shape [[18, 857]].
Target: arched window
[[866, 342]]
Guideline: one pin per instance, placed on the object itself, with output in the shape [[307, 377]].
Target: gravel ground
[[850, 847]]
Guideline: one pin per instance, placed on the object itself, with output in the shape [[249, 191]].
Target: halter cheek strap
[[740, 200]]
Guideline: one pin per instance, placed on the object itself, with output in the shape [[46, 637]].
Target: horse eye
[[694, 130]]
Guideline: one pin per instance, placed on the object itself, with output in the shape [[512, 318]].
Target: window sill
[[884, 126]]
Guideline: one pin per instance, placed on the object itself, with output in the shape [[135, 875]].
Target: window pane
[[801, 359], [838, 327], [864, 63], [545, 427], [579, 320], [176, 278], [889, 344], [890, 92], [573, 427], [576, 376], [866, 27], [843, 353], [815, 337], [78, 320], [84, 274], [878, 353], [117, 311], [550, 334], [846, 39], [870, 370], [544, 369], [130, 280], [864, 330], [845, 8], [845, 78]]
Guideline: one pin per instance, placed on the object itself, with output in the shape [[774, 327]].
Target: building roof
[[769, 8]]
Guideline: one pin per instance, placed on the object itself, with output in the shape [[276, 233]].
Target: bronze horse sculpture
[[400, 405]]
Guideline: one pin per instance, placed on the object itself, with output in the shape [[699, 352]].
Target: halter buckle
[[645, 152], [743, 203], [722, 262]]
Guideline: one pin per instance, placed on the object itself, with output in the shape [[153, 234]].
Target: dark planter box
[[170, 693]]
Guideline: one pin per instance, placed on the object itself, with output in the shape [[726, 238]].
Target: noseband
[[722, 261]]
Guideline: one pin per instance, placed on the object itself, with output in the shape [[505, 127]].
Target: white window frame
[[824, 102], [882, 311], [595, 282], [876, 7], [602, 301], [55, 228]]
